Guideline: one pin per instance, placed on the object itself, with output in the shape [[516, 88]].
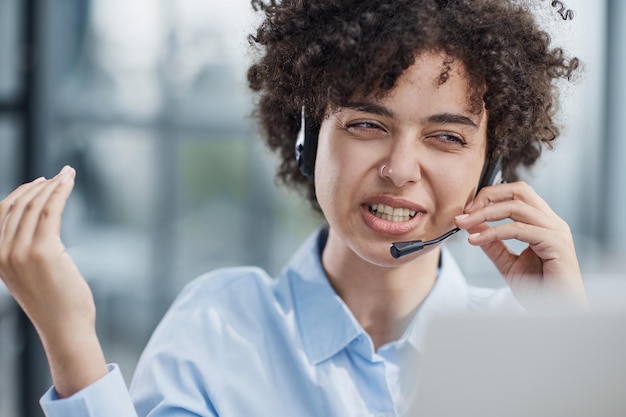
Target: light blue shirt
[[237, 343]]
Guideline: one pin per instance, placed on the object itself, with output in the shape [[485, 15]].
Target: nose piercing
[[381, 171]]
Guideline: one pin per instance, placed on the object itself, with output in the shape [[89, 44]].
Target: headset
[[306, 146], [306, 150]]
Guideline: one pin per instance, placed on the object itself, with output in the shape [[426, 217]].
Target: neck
[[383, 299]]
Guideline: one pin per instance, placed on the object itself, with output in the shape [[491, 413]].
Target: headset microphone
[[400, 249], [492, 174]]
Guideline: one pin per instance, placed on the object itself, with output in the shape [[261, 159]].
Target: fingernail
[[461, 216], [36, 180], [469, 205], [473, 236], [65, 169]]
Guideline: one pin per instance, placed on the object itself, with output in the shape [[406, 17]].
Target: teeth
[[390, 214]]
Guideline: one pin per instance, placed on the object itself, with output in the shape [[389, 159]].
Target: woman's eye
[[366, 130], [451, 139], [363, 125]]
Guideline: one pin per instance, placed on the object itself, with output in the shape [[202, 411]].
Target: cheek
[[327, 164], [341, 170], [456, 187], [328, 171], [334, 160]]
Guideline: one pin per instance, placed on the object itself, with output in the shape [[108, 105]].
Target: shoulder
[[242, 300], [221, 282], [217, 319], [215, 315], [229, 295], [214, 322]]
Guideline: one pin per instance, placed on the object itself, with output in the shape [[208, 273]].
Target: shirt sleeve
[[170, 379], [106, 397]]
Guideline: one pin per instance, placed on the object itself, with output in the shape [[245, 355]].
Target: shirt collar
[[326, 324]]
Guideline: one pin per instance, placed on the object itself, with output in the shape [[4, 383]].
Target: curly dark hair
[[321, 53]]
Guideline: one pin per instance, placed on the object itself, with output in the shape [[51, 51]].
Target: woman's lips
[[392, 216]]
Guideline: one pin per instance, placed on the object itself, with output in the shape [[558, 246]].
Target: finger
[[513, 230], [7, 203], [515, 210], [50, 218], [547, 244], [38, 209], [500, 255], [25, 210], [19, 203], [21, 189], [505, 192], [477, 228]]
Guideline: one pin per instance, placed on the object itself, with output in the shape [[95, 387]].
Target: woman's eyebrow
[[371, 108], [452, 118], [441, 118]]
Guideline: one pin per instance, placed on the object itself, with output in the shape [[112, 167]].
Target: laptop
[[549, 364]]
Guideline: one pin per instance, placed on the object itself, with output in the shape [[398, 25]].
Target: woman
[[404, 105]]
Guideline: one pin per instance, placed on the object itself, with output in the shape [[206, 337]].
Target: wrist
[[75, 358]]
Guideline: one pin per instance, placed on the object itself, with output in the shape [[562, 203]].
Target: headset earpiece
[[306, 146], [492, 173]]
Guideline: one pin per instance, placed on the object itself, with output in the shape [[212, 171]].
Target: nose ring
[[381, 171]]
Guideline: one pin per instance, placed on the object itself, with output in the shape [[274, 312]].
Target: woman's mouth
[[397, 215]]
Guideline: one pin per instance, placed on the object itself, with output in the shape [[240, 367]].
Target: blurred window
[[9, 48]]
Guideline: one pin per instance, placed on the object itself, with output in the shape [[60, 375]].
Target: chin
[[380, 255]]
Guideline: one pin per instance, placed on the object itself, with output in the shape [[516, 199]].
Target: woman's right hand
[[46, 283]]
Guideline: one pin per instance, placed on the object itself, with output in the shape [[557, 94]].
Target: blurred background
[[148, 101]]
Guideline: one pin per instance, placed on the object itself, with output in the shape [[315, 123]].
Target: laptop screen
[[548, 365]]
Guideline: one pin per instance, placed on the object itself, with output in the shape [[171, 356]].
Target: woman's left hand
[[548, 267]]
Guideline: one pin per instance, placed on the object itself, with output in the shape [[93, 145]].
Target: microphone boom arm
[[400, 249]]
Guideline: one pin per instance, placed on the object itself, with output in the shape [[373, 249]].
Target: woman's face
[[433, 148]]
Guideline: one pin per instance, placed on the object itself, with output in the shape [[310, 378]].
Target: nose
[[401, 165]]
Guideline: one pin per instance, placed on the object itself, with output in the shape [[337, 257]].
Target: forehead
[[434, 83], [434, 69]]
